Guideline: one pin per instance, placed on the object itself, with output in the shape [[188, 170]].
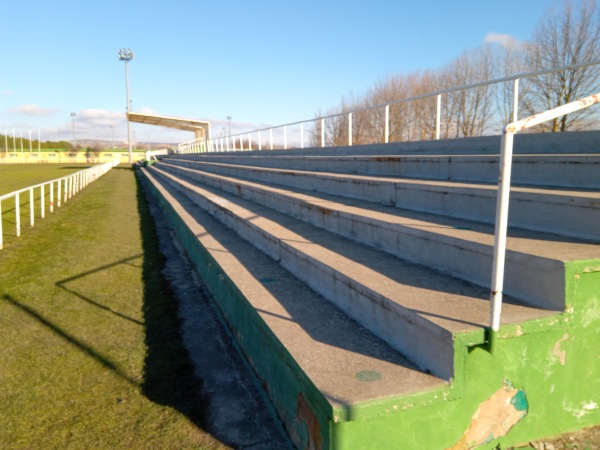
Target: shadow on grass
[[169, 377], [68, 337]]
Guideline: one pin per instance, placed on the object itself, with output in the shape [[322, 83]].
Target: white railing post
[[387, 124], [515, 100], [58, 196], [500, 231], [438, 115], [350, 129], [18, 215], [43, 202], [322, 132], [285, 137], [31, 208], [271, 137], [259, 141], [52, 196]]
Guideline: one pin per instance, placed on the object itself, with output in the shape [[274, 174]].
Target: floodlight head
[[125, 54]]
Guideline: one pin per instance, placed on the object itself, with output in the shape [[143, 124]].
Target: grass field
[[89, 342], [18, 176]]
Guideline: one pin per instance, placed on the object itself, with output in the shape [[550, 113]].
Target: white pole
[[501, 230], [259, 141], [52, 197], [43, 202], [285, 137], [18, 214], [271, 137], [438, 115], [387, 124], [350, 129], [322, 133], [31, 208], [515, 100]]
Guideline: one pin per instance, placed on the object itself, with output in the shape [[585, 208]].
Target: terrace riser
[[556, 171], [574, 217], [461, 258]]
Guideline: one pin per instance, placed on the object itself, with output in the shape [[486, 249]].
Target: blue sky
[[262, 62]]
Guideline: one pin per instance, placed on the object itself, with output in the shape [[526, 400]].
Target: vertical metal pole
[[31, 208], [259, 141], [387, 124], [500, 233], [322, 133], [52, 197], [515, 100], [43, 202], [249, 141], [271, 137], [128, 110], [18, 214], [285, 137], [438, 115], [350, 129], [302, 135]]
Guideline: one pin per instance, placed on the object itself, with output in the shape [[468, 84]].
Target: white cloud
[[505, 40], [33, 110]]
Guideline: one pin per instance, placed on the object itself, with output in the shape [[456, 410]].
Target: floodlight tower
[[125, 54]]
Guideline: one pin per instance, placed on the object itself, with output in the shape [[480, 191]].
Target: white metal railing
[[254, 140], [64, 188], [503, 196]]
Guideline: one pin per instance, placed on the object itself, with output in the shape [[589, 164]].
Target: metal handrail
[[203, 145], [66, 187], [503, 197]]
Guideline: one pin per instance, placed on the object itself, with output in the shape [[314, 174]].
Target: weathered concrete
[[275, 279], [567, 212], [463, 249]]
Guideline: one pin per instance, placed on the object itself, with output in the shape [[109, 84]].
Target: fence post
[[285, 137], [515, 100], [271, 137], [43, 205], [387, 124], [52, 197], [18, 214], [350, 129], [31, 208], [438, 115], [259, 141], [322, 133]]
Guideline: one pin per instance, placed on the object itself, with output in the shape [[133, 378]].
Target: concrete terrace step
[[329, 349], [417, 311], [569, 171], [461, 248], [570, 213]]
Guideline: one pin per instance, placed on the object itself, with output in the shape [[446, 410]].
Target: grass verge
[[90, 346]]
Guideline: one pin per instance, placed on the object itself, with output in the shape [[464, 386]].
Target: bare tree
[[565, 37]]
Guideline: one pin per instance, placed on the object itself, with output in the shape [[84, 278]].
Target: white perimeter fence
[[59, 190]]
